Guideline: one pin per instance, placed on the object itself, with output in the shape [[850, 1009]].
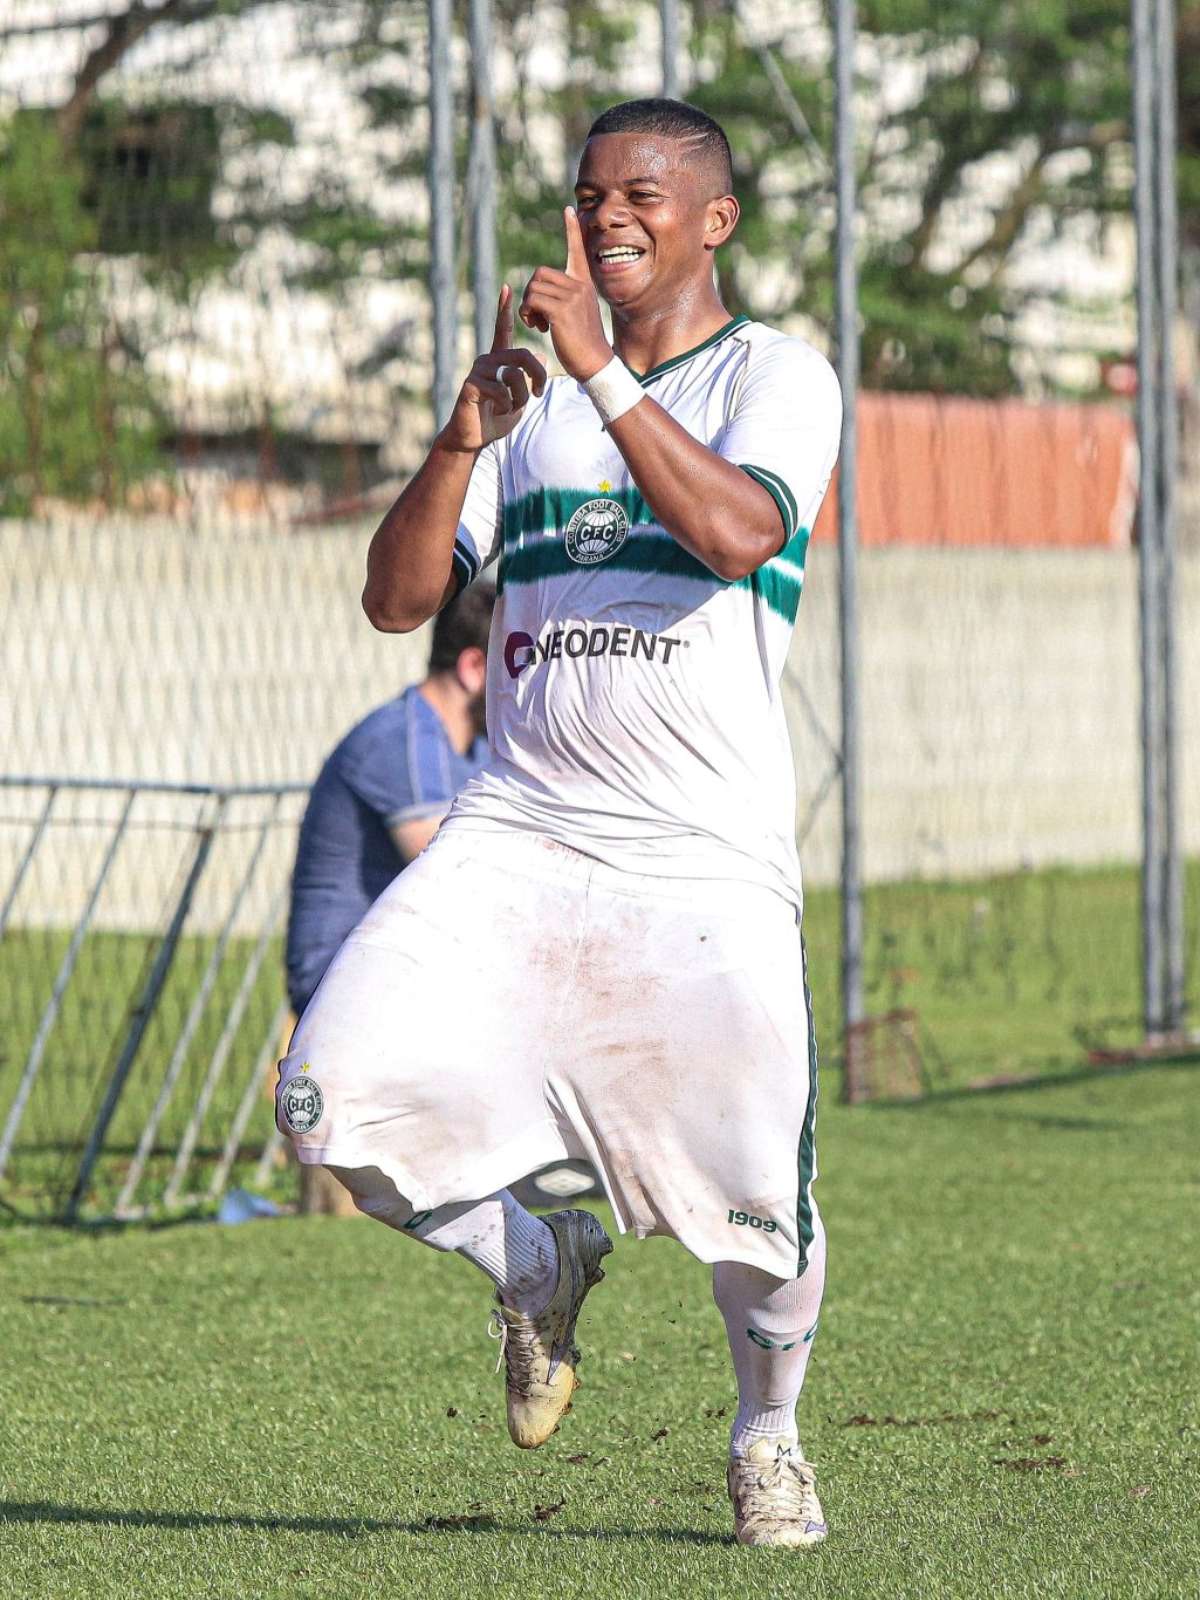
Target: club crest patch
[[597, 530], [301, 1103]]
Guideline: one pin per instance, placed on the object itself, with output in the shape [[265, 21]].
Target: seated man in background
[[382, 794], [377, 802]]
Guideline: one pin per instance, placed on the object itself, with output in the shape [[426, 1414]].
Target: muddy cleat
[[774, 1497], [539, 1352]]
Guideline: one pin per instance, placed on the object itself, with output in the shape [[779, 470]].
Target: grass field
[[1005, 975], [1003, 1398]]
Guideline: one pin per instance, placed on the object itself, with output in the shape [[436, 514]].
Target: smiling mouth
[[616, 257]]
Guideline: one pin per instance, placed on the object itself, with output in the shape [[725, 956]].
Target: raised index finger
[[503, 336], [577, 266]]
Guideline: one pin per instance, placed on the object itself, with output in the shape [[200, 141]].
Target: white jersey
[[633, 699]]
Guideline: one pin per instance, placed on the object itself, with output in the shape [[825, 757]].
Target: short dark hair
[[464, 624], [672, 119]]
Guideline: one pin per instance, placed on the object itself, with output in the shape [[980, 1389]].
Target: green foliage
[[1031, 97], [535, 182], [962, 109], [1188, 46], [77, 418], [982, 127]]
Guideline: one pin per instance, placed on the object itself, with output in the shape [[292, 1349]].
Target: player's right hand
[[496, 390]]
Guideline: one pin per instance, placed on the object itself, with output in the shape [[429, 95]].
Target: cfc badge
[[596, 531], [301, 1103]]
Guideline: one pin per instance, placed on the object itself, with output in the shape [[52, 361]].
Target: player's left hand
[[565, 305]]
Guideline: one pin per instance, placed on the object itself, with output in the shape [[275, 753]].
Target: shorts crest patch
[[301, 1103], [597, 530]]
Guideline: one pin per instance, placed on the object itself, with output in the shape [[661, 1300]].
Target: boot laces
[[518, 1349], [785, 1486]]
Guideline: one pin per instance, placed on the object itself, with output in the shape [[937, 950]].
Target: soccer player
[[611, 912]]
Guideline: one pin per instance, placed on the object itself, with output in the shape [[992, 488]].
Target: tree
[[175, 189], [987, 131], [982, 125], [76, 417]]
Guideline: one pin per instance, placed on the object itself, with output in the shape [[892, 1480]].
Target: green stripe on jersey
[[777, 584], [549, 510], [532, 546], [462, 567], [795, 550], [778, 587], [642, 552], [779, 492], [705, 344]]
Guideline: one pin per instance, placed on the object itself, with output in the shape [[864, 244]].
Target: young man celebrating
[[611, 911]]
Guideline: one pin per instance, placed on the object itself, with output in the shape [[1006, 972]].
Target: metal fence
[[286, 239], [139, 936]]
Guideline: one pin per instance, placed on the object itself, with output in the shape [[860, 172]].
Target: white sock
[[516, 1249], [770, 1323]]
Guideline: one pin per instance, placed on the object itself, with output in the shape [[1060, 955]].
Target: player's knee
[[375, 1195], [737, 1286]]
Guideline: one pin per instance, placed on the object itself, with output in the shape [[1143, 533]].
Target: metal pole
[[847, 366], [142, 1014], [1149, 585], [192, 1021], [1168, 469], [669, 16], [441, 211], [220, 1055], [37, 1049], [274, 1143], [26, 860], [791, 107], [253, 1096], [239, 791], [484, 269]]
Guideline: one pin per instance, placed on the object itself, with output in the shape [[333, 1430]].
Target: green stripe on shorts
[[806, 1159]]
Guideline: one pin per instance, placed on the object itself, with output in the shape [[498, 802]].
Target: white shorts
[[509, 1002]]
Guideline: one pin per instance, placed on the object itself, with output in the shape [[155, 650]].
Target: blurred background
[[242, 246]]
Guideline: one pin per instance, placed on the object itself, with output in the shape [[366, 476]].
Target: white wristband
[[614, 391]]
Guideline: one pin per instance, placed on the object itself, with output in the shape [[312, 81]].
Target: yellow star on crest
[[605, 486]]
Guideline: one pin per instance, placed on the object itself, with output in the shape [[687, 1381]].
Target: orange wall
[[938, 471]]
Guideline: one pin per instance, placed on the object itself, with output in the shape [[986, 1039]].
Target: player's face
[[646, 216]]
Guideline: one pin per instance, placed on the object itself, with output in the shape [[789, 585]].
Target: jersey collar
[[677, 361]]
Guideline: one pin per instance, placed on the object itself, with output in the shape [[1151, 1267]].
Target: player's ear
[[471, 669], [720, 219]]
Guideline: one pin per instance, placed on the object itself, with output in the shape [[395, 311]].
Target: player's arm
[[714, 509], [410, 838], [409, 563], [708, 504]]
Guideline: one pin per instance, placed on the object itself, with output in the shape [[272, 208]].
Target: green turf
[[1002, 1399]]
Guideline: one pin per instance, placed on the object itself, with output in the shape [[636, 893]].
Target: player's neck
[[453, 707], [645, 338]]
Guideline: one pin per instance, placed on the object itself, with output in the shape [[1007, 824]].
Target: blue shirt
[[396, 765]]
